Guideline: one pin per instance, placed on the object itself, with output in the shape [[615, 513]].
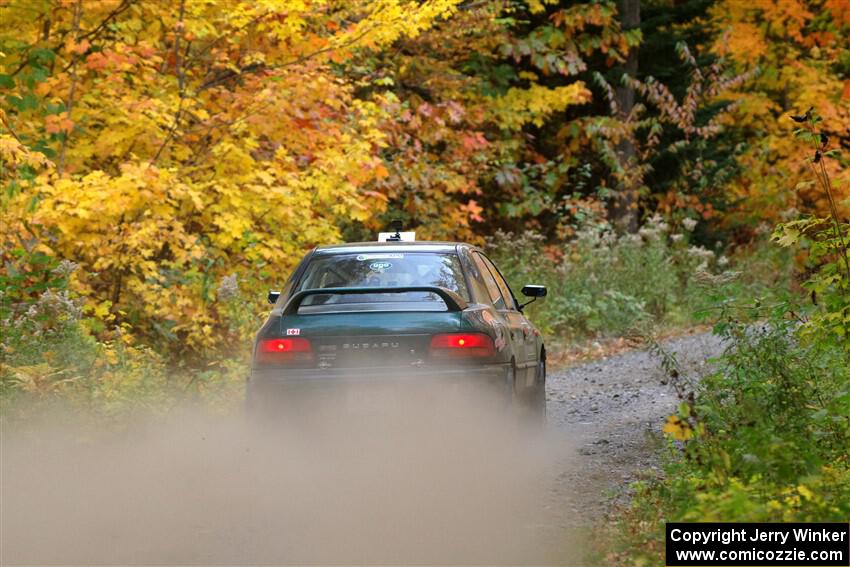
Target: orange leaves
[[744, 42], [376, 195], [840, 10], [474, 210], [97, 61], [381, 172], [58, 123], [753, 28], [674, 201], [578, 17], [795, 44], [123, 58], [79, 48], [474, 141]]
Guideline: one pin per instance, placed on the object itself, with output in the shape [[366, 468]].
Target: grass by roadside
[[765, 438], [604, 287]]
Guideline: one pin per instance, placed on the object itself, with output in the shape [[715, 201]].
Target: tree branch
[[9, 128], [257, 67], [78, 11], [111, 16], [181, 82]]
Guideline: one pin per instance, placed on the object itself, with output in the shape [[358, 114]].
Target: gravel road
[[612, 410], [412, 487]]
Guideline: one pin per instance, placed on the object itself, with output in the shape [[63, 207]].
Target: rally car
[[398, 311]]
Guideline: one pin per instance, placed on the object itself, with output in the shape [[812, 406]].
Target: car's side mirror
[[533, 291], [273, 295]]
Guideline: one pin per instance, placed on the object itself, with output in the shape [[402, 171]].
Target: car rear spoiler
[[453, 301]]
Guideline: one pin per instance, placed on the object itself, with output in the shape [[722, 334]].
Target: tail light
[[282, 351], [462, 345]]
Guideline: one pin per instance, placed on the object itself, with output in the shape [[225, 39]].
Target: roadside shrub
[[49, 353], [55, 348], [772, 430], [764, 439], [779, 408], [604, 284]]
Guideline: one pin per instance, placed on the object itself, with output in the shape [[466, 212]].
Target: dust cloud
[[437, 479]]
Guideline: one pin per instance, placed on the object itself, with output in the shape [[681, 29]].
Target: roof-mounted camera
[[396, 234]]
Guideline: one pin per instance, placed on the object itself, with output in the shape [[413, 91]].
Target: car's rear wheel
[[530, 402], [540, 388]]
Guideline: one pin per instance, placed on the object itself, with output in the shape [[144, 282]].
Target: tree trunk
[[624, 209], [69, 106]]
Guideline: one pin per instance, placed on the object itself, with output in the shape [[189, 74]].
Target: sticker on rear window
[[363, 257], [293, 331], [380, 266]]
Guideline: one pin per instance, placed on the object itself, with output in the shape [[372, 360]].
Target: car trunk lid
[[360, 340]]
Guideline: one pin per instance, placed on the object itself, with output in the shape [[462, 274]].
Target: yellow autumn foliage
[[534, 104], [190, 141], [773, 37]]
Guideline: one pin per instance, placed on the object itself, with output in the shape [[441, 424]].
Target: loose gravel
[[612, 410]]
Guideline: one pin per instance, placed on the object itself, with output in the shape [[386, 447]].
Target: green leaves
[[826, 240], [786, 235], [23, 103]]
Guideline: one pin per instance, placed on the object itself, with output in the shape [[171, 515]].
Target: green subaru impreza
[[394, 312]]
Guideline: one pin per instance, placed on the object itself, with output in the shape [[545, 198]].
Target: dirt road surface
[[612, 411], [417, 487]]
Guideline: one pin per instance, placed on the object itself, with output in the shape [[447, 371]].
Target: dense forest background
[[165, 146], [655, 163]]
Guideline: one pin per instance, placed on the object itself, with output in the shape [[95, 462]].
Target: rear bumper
[[326, 377], [317, 390]]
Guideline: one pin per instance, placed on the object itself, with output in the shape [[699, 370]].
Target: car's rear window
[[381, 269]]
